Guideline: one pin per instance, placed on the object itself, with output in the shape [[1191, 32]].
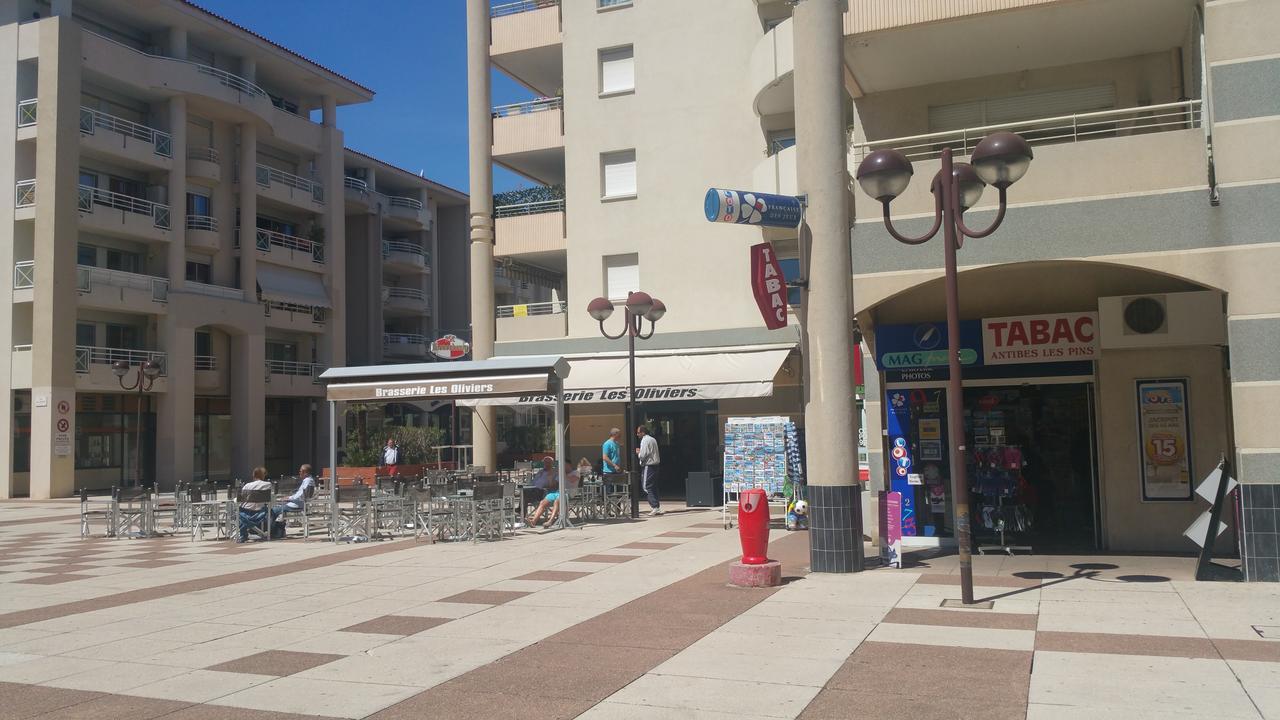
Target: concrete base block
[[766, 575]]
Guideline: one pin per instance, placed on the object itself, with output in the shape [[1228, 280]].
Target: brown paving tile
[[118, 707], [467, 705], [153, 563], [974, 674], [1262, 650], [962, 618], [18, 702], [67, 568], [844, 704], [940, 659], [218, 712], [647, 546], [578, 672], [276, 662], [32, 521], [485, 597], [55, 579], [1008, 581], [396, 625], [553, 575], [606, 558], [1120, 644], [717, 526], [684, 534]]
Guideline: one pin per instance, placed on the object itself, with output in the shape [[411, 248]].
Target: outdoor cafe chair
[[208, 514], [167, 506], [261, 530], [487, 513], [131, 512], [94, 509], [352, 513], [617, 495]]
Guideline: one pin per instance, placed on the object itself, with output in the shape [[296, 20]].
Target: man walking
[[611, 453], [649, 459]]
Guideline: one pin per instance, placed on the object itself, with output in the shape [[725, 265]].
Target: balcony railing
[[296, 369], [91, 120], [533, 208], [514, 8], [24, 194], [1047, 131], [87, 355], [234, 82], [355, 183], [24, 275], [206, 362], [390, 246], [404, 339], [529, 309], [316, 313], [266, 175], [90, 196], [264, 239], [202, 222], [215, 291], [27, 112], [88, 277], [404, 293], [405, 202], [206, 154], [22, 348], [529, 106]]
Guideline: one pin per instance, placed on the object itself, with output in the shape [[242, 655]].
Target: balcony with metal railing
[[24, 194], [530, 227], [289, 377], [356, 192], [525, 42], [118, 290], [203, 164], [529, 137], [214, 291], [290, 316], [407, 210], [532, 321], [24, 275], [93, 365], [409, 345], [404, 255], [106, 134], [114, 213], [27, 111], [208, 375], [1164, 147], [202, 234], [288, 250], [404, 301], [289, 188]]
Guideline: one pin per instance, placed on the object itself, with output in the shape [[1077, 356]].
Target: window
[[87, 255], [204, 341], [282, 351], [198, 204], [621, 275], [86, 334], [124, 337], [618, 174], [284, 227], [88, 179], [124, 261], [608, 4], [791, 273], [199, 272], [780, 140], [617, 71], [125, 186]]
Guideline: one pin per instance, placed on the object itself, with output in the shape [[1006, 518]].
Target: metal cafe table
[[493, 380]]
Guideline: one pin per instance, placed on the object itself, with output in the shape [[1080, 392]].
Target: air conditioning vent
[[1144, 316]]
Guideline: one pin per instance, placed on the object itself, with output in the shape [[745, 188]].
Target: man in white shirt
[[296, 501], [649, 458], [390, 456], [252, 513]]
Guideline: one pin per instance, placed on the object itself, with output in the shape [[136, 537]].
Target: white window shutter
[[622, 276], [617, 70], [619, 173]]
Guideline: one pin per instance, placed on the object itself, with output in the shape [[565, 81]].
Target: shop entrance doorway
[[682, 435]]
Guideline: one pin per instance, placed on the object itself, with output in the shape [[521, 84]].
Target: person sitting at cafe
[[549, 502], [253, 514], [295, 502]]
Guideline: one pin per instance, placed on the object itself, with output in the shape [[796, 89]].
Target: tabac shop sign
[[1040, 338], [768, 287], [441, 389]]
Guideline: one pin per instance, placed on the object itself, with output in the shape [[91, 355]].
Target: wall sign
[[743, 207], [924, 345], [898, 422], [1164, 440], [440, 389], [1040, 338], [768, 287], [450, 347]]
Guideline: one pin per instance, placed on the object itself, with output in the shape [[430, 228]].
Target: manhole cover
[[1267, 632]]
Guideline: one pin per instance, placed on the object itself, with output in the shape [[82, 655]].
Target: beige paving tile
[[42, 669], [334, 698], [129, 649], [609, 710], [341, 643], [955, 636], [735, 697], [199, 686], [116, 677], [1037, 711], [447, 609]]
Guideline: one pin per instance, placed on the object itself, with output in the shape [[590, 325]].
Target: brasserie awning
[[665, 375], [291, 286]]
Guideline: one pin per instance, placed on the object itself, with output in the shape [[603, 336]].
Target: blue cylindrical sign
[[743, 207]]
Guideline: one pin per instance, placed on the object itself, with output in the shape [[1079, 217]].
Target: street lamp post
[[1001, 159], [146, 376], [640, 307]]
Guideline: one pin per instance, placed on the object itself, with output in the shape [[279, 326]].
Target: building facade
[[144, 138], [1144, 227]]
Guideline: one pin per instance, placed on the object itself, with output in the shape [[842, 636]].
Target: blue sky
[[412, 53]]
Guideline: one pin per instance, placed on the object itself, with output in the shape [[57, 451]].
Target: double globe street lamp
[[1000, 160], [146, 376], [639, 307]]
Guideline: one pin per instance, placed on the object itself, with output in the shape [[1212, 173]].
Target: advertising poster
[[1164, 439], [891, 529], [898, 419]]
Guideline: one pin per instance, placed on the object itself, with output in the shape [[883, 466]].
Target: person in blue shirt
[[611, 453]]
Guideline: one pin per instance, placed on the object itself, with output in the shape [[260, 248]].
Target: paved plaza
[[627, 620]]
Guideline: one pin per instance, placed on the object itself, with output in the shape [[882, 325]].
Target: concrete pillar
[[249, 69], [333, 343], [178, 42], [9, 97], [53, 378], [248, 209], [224, 202], [831, 423], [247, 379], [177, 265], [175, 426], [480, 126]]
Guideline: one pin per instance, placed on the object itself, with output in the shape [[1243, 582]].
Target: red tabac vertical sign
[[768, 286]]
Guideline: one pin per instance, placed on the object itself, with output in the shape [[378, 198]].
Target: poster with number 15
[[1165, 438]]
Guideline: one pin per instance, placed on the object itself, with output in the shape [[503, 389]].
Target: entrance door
[[682, 442]]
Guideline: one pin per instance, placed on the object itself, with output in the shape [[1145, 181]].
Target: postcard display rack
[[761, 452]]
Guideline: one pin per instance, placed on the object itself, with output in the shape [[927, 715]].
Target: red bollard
[[753, 526]]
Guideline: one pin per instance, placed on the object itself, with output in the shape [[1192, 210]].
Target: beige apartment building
[[144, 136], [1147, 222]]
